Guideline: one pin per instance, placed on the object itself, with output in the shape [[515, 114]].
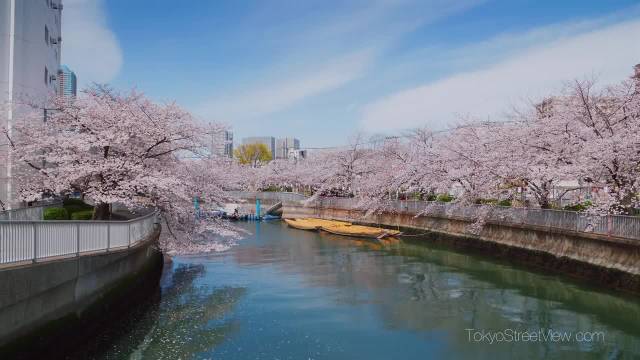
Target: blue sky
[[323, 70]]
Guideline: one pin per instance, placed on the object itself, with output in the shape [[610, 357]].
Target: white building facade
[[221, 144], [284, 146], [30, 49]]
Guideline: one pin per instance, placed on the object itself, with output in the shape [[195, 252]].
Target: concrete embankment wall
[[43, 301], [612, 262]]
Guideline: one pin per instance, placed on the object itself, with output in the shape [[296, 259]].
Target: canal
[[290, 294]]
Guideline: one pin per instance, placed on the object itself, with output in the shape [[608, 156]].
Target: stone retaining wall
[[38, 301], [604, 260]]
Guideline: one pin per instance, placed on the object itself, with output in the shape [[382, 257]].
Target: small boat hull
[[300, 225], [341, 228], [360, 231]]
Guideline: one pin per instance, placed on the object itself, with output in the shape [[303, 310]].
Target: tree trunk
[[101, 211], [544, 203]]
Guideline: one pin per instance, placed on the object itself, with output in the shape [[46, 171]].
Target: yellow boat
[[360, 231], [312, 224], [340, 228], [300, 224]]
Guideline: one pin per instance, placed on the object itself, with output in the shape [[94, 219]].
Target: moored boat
[[313, 223], [360, 231], [341, 228], [302, 224]]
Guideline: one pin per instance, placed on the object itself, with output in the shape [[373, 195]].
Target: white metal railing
[[29, 213], [27, 240], [622, 226]]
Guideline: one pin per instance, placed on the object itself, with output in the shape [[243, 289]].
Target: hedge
[[82, 215], [76, 205], [55, 213], [578, 207], [445, 198], [505, 202]]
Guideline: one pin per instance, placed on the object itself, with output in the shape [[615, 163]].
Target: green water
[[289, 294]]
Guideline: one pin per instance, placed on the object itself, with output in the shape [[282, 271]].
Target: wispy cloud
[[332, 48], [551, 56], [281, 93], [89, 47]]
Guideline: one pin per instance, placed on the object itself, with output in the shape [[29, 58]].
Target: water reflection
[[428, 289], [191, 319], [284, 293], [184, 320]]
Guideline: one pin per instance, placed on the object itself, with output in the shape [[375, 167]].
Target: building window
[[46, 34], [46, 76]]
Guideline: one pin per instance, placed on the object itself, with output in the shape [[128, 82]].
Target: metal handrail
[[621, 226], [31, 211], [78, 221], [35, 240]]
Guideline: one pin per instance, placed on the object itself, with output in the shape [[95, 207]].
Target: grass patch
[[72, 209]]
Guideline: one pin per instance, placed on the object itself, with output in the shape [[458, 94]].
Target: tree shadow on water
[[182, 320]]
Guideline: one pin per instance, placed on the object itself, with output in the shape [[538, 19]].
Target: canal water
[[290, 294]]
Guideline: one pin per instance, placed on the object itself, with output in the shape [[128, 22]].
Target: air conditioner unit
[[53, 41], [56, 6], [52, 78]]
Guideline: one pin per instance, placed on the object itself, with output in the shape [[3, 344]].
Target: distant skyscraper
[[67, 82], [228, 145], [269, 141], [221, 144], [284, 146]]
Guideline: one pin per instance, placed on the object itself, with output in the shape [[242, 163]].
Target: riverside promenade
[[61, 277], [603, 250]]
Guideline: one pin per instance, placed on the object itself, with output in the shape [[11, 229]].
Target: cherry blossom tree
[[606, 125], [115, 147], [586, 134], [341, 171]]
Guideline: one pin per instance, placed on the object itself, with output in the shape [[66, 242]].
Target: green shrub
[[579, 206], [76, 205], [82, 215], [271, 188], [55, 213], [445, 198], [505, 202], [482, 201], [431, 197], [74, 208]]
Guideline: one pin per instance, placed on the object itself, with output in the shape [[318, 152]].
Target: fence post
[[609, 225], [129, 231], [77, 239], [35, 242], [108, 236]]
